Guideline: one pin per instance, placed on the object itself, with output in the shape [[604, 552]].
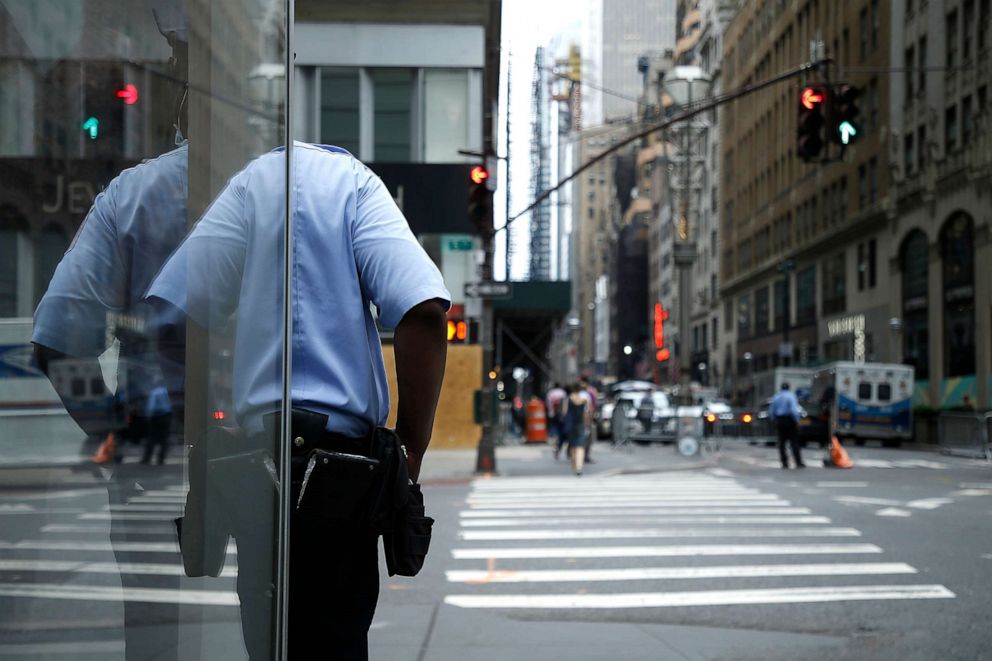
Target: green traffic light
[[92, 126], [847, 132]]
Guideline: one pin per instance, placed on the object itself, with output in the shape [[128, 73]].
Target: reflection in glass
[[392, 91], [339, 104]]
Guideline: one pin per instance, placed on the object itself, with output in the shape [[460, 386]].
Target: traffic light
[[809, 136], [480, 201], [844, 126], [461, 331]]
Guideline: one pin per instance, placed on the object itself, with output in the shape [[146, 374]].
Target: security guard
[[352, 248]]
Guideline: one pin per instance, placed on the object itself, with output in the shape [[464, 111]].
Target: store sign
[[849, 325]]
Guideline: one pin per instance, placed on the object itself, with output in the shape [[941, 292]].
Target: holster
[[406, 544]]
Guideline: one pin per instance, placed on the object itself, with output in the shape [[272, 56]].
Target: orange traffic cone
[[105, 453], [838, 455]]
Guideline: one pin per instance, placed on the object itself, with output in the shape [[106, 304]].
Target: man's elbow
[[429, 315]]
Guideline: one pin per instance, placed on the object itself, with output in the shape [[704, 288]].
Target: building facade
[[802, 276]]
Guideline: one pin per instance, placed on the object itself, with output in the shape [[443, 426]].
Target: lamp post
[[683, 84]]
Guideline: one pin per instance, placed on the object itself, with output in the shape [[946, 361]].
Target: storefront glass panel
[[139, 492]]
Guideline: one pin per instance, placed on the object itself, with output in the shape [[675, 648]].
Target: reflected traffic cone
[[838, 455], [105, 453]]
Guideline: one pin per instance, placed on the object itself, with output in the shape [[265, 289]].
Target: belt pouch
[[406, 545]]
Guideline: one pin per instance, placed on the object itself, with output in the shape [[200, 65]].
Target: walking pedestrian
[[555, 400], [575, 419], [785, 411], [352, 249], [158, 413], [592, 398]]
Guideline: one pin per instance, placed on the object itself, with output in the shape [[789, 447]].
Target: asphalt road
[[727, 558]]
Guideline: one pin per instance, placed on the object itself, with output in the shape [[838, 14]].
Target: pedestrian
[[352, 249], [592, 398], [575, 419], [555, 400], [158, 413], [785, 411]]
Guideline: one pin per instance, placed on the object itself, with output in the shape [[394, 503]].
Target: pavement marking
[[117, 594], [113, 568], [653, 502], [648, 533], [117, 516], [163, 493], [677, 573], [842, 485], [863, 500], [663, 551], [164, 528], [17, 508], [81, 545], [703, 597], [920, 463], [720, 472], [973, 492], [580, 518], [893, 512], [618, 493], [143, 508], [70, 648], [773, 509], [929, 503]]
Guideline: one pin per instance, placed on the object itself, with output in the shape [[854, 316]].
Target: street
[[647, 556]]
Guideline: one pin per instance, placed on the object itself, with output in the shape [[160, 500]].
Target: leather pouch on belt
[[406, 545], [336, 486]]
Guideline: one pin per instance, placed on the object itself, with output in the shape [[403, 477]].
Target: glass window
[[446, 109], [951, 129], [951, 35], [806, 296], [907, 153], [958, 256], [392, 91], [884, 392], [966, 122], [921, 70], [915, 273], [781, 304], [744, 316], [967, 29], [340, 121], [761, 311], [864, 391], [863, 34], [909, 63], [834, 293]]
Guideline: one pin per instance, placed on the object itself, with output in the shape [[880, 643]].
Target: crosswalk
[[85, 550], [660, 541]]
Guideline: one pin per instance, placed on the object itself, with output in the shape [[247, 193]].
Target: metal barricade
[[965, 434]]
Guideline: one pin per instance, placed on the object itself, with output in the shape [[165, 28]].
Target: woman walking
[[575, 418]]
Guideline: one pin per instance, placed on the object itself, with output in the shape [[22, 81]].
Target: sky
[[527, 24]]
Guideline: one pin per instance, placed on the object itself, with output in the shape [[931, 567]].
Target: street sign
[[491, 290]]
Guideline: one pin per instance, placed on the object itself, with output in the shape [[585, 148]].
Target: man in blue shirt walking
[[785, 412]]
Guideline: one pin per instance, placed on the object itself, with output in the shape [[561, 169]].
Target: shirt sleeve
[[395, 272], [203, 276], [88, 285]]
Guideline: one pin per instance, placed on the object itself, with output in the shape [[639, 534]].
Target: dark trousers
[[787, 429], [333, 579], [157, 435]]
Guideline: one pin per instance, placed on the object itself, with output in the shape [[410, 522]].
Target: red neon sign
[[811, 97], [660, 315]]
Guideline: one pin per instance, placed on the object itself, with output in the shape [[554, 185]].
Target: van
[[862, 401]]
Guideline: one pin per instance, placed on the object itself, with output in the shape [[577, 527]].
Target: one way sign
[[489, 290]]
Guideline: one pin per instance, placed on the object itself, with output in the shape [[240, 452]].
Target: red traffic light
[[128, 94], [812, 97], [479, 174]]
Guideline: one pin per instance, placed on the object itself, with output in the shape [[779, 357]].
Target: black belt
[[308, 431]]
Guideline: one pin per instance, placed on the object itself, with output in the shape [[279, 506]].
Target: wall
[[453, 425]]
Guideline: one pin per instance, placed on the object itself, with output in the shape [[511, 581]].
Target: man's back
[[784, 405]]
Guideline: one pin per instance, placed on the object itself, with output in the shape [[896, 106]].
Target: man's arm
[[420, 343], [92, 424]]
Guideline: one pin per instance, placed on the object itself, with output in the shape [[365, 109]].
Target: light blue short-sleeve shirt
[[352, 247]]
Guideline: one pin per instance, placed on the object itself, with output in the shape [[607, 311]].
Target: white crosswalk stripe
[[73, 556], [659, 530]]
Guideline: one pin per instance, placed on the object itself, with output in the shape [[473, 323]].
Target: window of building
[[982, 99], [907, 153], [966, 121], [968, 16], [909, 62], [876, 21], [713, 244], [862, 186], [761, 311], [50, 246], [984, 24], [863, 34], [866, 265], [447, 108], [914, 262], [873, 103], [951, 129], [713, 291], [392, 93], [872, 180], [716, 327], [339, 109], [951, 35], [744, 317], [958, 267], [806, 296], [922, 70], [921, 147], [728, 316], [834, 291], [781, 304], [9, 251]]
